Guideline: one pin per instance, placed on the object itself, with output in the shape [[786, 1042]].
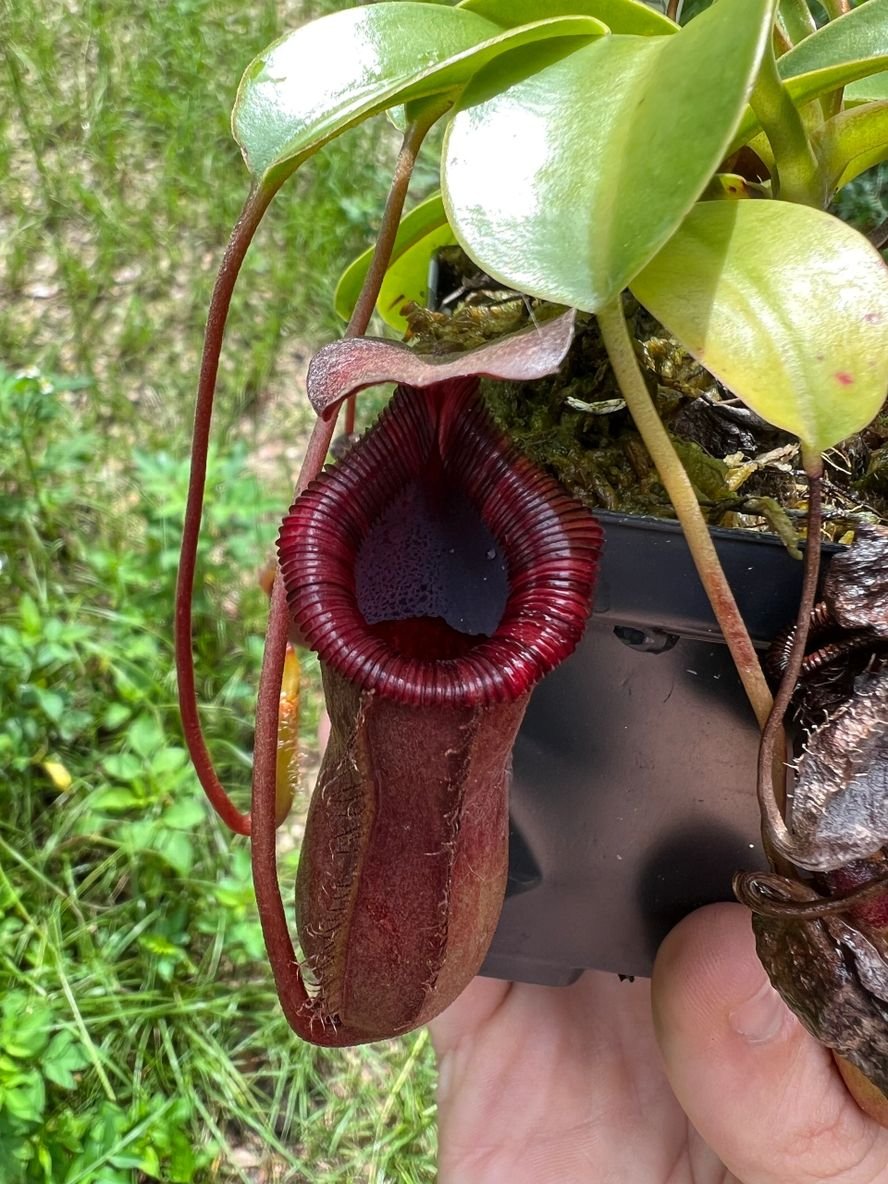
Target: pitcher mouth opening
[[435, 565]]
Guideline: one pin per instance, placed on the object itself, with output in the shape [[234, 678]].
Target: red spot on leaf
[[844, 377]]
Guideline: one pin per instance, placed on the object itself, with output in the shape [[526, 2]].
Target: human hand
[[555, 1085]]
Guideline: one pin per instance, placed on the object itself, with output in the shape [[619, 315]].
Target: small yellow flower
[[58, 774]]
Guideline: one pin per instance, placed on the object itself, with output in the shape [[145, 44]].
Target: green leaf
[[25, 1097], [840, 53], [184, 815], [115, 716], [183, 1162], [861, 36], [25, 1029], [620, 16], [795, 18], [852, 142], [145, 735], [177, 849], [421, 232], [865, 90], [168, 761], [408, 277], [333, 72], [122, 766], [147, 1161], [786, 305], [693, 8], [29, 615], [62, 1059], [115, 799], [567, 183], [51, 703]]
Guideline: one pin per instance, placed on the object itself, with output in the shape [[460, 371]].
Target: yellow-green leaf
[[786, 305], [620, 16], [853, 141]]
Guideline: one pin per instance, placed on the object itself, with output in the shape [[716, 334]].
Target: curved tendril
[[241, 237], [775, 834], [789, 900]]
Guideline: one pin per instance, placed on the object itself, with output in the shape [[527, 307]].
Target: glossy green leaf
[[420, 233], [329, 74], [565, 184], [786, 305], [859, 36], [620, 16], [839, 54], [852, 142]]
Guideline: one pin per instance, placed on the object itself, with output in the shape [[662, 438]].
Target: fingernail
[[761, 1017]]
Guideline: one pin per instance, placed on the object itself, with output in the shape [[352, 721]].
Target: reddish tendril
[[790, 900], [241, 237]]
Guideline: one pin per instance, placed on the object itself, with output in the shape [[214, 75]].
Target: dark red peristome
[[442, 439]]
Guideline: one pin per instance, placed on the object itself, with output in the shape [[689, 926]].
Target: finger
[[760, 1090]]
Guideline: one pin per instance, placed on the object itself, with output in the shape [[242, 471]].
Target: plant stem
[[836, 8], [795, 17], [291, 990], [775, 835], [798, 178], [241, 236], [681, 493], [388, 230], [391, 216]]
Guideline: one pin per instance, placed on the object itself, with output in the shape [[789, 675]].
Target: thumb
[[763, 1093]]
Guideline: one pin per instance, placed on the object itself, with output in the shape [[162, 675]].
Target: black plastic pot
[[633, 795]]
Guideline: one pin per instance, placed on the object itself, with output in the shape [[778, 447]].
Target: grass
[[124, 183], [140, 1038], [139, 1034]]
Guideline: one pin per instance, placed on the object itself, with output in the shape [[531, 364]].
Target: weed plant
[[140, 1039]]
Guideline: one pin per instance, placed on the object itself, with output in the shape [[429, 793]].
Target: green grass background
[[140, 1038]]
